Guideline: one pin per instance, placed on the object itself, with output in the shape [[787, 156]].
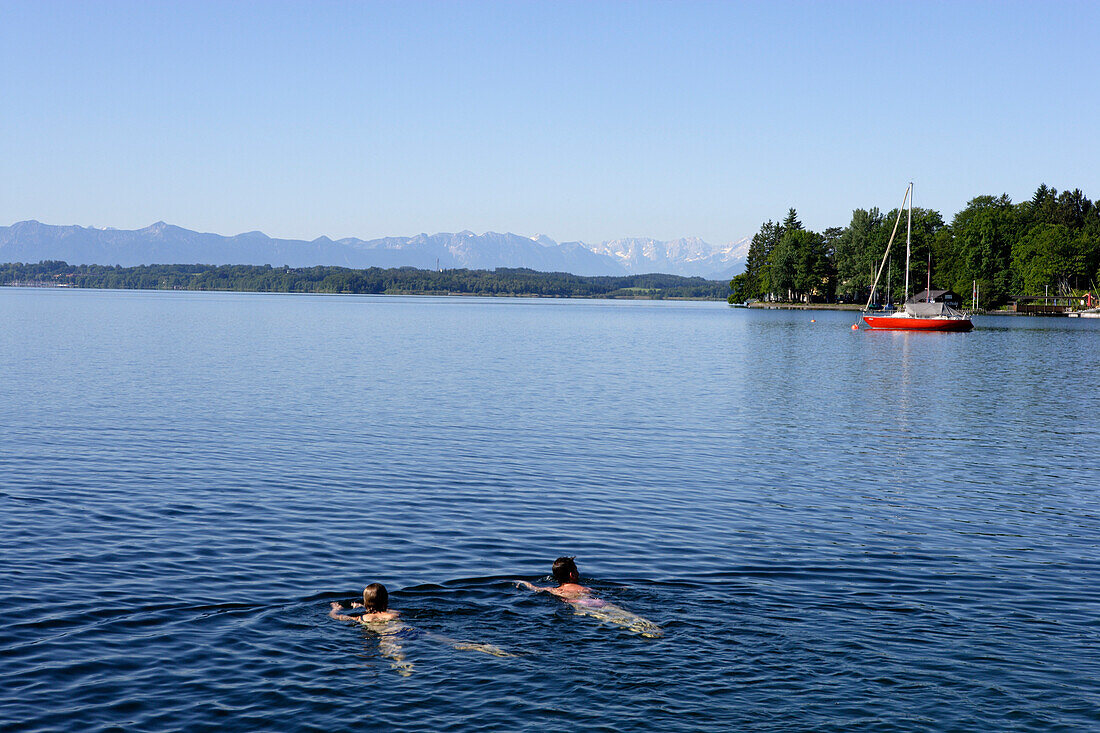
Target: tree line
[[374, 280], [1049, 244]]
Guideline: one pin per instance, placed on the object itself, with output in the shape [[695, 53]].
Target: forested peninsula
[[374, 280], [1047, 245]]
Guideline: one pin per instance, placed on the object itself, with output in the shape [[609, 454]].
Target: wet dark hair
[[376, 598], [565, 570]]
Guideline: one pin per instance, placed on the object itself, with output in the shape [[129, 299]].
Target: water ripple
[[834, 531]]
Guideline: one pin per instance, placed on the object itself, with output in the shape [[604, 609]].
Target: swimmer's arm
[[339, 616], [551, 590]]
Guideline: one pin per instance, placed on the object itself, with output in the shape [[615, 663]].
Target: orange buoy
[[855, 326], [813, 320]]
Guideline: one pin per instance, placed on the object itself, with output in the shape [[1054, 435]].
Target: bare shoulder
[[571, 590], [379, 616]]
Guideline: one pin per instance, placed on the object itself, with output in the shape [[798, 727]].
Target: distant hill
[[160, 243]]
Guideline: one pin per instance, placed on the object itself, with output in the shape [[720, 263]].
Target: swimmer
[[378, 617], [375, 605], [584, 603], [565, 572]]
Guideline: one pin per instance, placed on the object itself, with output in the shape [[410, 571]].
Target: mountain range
[[160, 243]]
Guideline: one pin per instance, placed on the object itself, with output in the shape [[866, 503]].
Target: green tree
[[791, 223], [857, 251], [800, 266], [815, 277], [739, 289], [758, 280], [1050, 255], [983, 234], [784, 265]]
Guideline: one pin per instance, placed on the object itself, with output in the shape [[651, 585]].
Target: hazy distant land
[[392, 281]]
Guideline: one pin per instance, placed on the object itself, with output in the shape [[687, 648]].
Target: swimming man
[[565, 572], [584, 603]]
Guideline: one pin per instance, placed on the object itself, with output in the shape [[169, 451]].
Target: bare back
[[378, 617], [570, 591]]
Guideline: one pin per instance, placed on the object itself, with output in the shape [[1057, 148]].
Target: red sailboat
[[919, 316]]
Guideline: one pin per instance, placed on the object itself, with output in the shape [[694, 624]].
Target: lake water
[[835, 530]]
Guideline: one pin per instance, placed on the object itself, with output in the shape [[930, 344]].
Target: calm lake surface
[[836, 531]]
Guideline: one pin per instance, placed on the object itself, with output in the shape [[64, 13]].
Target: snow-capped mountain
[[684, 256], [160, 243]]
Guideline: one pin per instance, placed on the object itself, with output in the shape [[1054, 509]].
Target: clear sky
[[587, 120]]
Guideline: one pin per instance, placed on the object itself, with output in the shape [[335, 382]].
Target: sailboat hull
[[894, 323]]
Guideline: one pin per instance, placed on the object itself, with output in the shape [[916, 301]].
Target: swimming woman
[[378, 617], [375, 605], [584, 603]]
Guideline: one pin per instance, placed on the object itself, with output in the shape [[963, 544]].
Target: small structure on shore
[[1044, 305]]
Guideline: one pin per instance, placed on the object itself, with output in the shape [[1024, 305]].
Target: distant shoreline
[[851, 307], [400, 293], [806, 306], [501, 282]]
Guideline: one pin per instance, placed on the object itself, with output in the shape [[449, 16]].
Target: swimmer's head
[[565, 570], [375, 598]]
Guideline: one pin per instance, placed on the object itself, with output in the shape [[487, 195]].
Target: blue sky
[[578, 120]]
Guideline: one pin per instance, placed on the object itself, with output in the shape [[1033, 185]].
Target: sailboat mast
[[889, 244], [908, 240], [889, 276], [928, 287]]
